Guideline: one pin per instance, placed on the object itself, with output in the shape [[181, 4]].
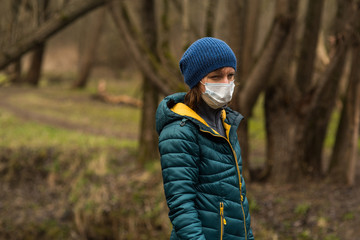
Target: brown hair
[[193, 97]]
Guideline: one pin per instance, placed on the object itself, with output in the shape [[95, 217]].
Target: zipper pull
[[183, 121], [241, 196], [222, 212]]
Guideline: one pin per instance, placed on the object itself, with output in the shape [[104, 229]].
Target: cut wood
[[118, 99]]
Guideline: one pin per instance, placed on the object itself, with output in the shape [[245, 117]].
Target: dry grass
[[68, 171]]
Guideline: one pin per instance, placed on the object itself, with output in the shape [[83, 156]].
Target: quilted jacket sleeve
[[179, 155]]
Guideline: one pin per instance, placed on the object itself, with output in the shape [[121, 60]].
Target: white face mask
[[217, 95]]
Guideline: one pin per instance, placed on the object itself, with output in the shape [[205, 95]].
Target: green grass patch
[[349, 216], [15, 133], [302, 208], [3, 80], [257, 133], [72, 107], [72, 161], [305, 235], [331, 237], [58, 116], [332, 128]]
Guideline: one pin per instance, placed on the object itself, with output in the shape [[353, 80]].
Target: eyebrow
[[222, 71]]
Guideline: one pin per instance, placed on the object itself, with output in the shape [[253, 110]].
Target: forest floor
[[306, 210]]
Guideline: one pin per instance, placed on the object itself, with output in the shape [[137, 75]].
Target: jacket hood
[[164, 115], [171, 108]]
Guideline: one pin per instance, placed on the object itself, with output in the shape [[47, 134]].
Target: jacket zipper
[[222, 220], [239, 176]]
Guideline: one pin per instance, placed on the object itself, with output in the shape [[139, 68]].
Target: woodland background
[[80, 82]]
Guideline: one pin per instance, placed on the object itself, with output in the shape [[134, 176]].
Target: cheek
[[202, 88]]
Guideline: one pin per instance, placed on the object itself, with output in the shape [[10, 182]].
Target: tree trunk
[[281, 125], [236, 42], [323, 101], [139, 49], [185, 24], [13, 72], [33, 75], [253, 82], [296, 121], [344, 156], [88, 58], [242, 35], [318, 117], [211, 17], [148, 136], [59, 21], [281, 118], [310, 37], [164, 51], [249, 36], [257, 80]]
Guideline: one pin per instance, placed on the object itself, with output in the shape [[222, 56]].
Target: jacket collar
[[185, 111], [172, 108]]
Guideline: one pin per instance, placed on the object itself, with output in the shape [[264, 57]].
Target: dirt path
[[26, 114]]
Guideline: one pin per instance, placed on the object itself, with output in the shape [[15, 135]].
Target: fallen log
[[118, 99]]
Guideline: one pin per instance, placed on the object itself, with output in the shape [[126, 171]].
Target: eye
[[231, 76]]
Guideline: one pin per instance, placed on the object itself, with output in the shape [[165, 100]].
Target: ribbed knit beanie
[[204, 56]]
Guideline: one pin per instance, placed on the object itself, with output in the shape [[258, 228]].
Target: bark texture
[[59, 21], [34, 73], [345, 152], [297, 116], [148, 136], [88, 58], [145, 58], [323, 101]]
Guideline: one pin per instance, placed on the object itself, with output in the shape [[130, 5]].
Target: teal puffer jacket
[[201, 169]]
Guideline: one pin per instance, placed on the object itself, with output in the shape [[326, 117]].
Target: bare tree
[[147, 145], [253, 75], [41, 12], [34, 73], [305, 66], [297, 117], [185, 20], [58, 21], [345, 151], [297, 112], [210, 17], [14, 70], [326, 87], [141, 53], [88, 57]]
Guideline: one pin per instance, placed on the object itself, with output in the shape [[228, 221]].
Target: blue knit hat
[[204, 56]]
